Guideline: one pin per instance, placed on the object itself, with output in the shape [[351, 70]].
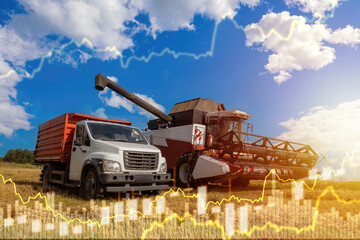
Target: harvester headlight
[[163, 167], [111, 166]]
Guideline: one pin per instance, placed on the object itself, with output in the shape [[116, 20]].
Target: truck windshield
[[112, 132]]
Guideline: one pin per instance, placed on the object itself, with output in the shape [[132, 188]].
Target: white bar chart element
[[201, 200], [298, 190], [105, 215], [63, 229], [36, 226], [119, 211], [147, 206], [77, 230], [243, 212], [8, 222], [22, 219], [133, 209], [50, 226], [229, 220], [160, 205]]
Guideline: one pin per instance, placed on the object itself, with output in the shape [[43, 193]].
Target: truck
[[204, 143], [97, 156]]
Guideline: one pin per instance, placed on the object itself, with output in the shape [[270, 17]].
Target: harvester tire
[[91, 185], [183, 171]]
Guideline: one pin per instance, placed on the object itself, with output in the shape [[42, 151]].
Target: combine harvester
[[204, 143]]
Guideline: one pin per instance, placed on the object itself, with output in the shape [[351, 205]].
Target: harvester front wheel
[[183, 171]]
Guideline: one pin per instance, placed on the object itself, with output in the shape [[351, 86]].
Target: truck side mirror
[[151, 139]]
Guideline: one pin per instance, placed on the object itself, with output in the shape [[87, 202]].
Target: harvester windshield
[[221, 124]]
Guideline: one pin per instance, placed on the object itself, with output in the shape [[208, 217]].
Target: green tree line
[[19, 156]]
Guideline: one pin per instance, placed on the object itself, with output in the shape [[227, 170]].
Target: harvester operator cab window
[[219, 127], [82, 137], [228, 125]]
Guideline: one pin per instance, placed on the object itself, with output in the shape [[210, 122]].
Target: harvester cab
[[225, 132]]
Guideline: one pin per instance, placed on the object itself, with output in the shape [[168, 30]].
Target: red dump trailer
[[56, 135]]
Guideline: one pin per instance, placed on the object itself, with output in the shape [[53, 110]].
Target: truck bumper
[[134, 182], [136, 188]]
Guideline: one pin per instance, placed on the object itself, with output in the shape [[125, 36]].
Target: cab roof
[[229, 113]]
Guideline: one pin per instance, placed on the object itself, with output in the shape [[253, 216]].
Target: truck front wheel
[[91, 184]]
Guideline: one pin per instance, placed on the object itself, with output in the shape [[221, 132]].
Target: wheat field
[[277, 215]]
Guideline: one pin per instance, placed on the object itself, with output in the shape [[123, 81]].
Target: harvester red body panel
[[56, 135]]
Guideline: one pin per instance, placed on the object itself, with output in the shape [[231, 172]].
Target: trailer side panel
[[56, 135]]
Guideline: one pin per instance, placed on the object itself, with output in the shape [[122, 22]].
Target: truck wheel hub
[[90, 185]]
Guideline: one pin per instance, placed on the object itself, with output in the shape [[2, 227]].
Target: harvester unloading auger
[[204, 143]]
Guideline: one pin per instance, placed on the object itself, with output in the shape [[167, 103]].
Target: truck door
[[80, 147]]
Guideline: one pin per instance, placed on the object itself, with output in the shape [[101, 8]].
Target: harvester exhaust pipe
[[101, 82]]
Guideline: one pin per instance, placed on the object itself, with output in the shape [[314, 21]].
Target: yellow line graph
[[276, 33], [7, 74], [125, 64], [261, 198], [254, 228]]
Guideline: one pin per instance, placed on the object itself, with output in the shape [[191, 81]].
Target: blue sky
[[313, 104]]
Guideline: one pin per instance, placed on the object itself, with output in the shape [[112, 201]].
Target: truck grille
[[140, 161]]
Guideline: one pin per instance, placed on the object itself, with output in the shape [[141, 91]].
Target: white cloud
[[101, 22], [16, 49], [295, 44], [316, 7], [345, 36], [72, 57], [13, 117], [25, 36], [167, 15], [282, 77], [116, 101], [100, 112], [333, 131], [113, 78], [147, 99]]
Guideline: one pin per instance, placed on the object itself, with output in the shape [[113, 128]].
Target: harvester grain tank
[[205, 143]]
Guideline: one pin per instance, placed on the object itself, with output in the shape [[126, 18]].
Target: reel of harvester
[[264, 150]]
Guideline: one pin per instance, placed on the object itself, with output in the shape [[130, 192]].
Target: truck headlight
[[163, 167], [111, 166]]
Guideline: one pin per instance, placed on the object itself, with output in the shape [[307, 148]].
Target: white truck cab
[[114, 157]]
